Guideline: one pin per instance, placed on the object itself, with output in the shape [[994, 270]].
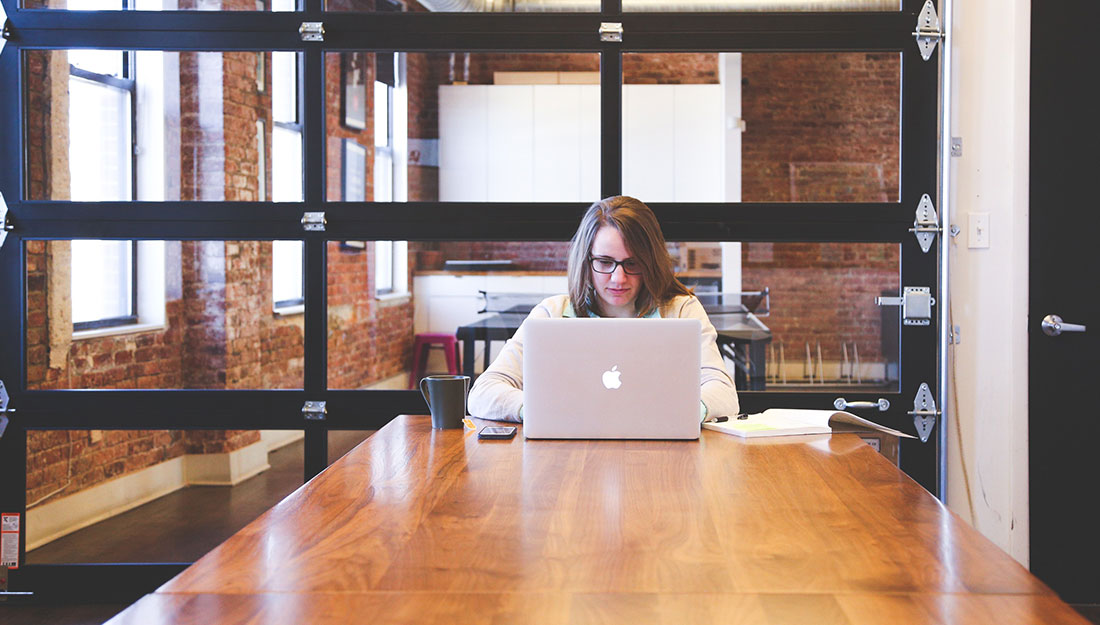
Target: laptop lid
[[611, 378]]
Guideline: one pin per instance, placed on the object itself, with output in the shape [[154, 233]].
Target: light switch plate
[[978, 232]]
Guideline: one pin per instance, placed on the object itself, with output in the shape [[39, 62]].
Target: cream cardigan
[[498, 392]]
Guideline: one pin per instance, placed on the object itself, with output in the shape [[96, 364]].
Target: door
[[1064, 466]]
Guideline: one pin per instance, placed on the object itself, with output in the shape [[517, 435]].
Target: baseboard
[[226, 469], [53, 520], [50, 521]]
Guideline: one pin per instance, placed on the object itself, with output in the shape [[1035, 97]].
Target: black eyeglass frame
[[616, 264]]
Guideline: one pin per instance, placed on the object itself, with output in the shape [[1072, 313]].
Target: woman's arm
[[498, 392], [717, 390]]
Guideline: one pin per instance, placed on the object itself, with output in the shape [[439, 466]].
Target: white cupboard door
[[463, 143], [590, 143], [511, 143], [699, 143], [557, 167], [649, 166]]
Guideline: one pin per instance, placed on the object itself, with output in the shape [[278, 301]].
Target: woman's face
[[617, 290]]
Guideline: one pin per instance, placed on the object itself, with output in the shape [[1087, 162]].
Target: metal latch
[[314, 222], [611, 31], [882, 404], [312, 31], [314, 410], [916, 305], [4, 409], [924, 412], [928, 30], [5, 225], [926, 225]]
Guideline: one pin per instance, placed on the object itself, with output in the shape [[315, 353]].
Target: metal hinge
[[611, 31], [916, 305], [312, 31], [314, 411], [5, 225], [314, 222], [928, 31], [924, 412], [4, 409], [926, 225]]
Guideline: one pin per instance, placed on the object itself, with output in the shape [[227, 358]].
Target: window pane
[[731, 127], [96, 496], [383, 258], [790, 316], [205, 320], [99, 124], [284, 86], [287, 262], [657, 6], [489, 127], [102, 285], [176, 138]]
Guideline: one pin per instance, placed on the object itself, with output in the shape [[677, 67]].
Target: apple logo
[[611, 378]]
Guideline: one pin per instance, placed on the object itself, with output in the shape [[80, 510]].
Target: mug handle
[[424, 391]]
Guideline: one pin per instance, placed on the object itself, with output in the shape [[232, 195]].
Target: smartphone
[[497, 431]]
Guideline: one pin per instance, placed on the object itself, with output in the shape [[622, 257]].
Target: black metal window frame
[[509, 221]]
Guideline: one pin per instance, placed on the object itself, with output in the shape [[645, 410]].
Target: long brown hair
[[638, 226]]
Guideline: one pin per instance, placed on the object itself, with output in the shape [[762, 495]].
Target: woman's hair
[[638, 226]]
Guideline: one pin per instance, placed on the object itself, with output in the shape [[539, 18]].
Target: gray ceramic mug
[[446, 397]]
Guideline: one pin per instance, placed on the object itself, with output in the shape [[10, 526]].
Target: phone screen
[[496, 431]]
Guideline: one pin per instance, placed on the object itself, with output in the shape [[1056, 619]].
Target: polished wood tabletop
[[417, 525]]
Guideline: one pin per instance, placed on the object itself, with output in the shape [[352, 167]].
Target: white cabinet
[[541, 143], [519, 143]]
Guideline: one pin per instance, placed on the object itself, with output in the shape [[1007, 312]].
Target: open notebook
[[790, 422]]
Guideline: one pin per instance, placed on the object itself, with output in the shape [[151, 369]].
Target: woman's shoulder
[[679, 305], [555, 305]]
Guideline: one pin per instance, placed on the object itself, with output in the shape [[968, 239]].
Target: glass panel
[[487, 127], [162, 5], [732, 127], [102, 280], [151, 495], [205, 319], [162, 126], [465, 6], [684, 6], [790, 316], [818, 303]]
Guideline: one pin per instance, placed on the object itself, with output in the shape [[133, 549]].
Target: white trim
[[61, 517], [286, 311], [134, 328], [53, 520]]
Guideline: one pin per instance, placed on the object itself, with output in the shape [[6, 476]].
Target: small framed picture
[[353, 92], [354, 171]]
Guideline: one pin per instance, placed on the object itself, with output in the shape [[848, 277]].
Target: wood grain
[[432, 522]]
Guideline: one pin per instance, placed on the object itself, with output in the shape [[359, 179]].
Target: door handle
[[882, 404], [1053, 326]]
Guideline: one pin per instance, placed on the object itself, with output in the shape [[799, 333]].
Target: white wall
[[989, 287]]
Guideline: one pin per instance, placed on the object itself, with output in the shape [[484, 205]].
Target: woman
[[618, 267]]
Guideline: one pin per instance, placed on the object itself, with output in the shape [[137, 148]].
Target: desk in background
[[742, 338], [434, 526]]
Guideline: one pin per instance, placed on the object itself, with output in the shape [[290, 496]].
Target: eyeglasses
[[607, 265]]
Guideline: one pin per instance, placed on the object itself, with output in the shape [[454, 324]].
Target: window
[[101, 167], [287, 257], [391, 265]]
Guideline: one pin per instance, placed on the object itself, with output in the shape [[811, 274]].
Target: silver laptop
[[611, 378]]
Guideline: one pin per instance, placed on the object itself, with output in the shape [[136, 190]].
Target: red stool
[[425, 341]]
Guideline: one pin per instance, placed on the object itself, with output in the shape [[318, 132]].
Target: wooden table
[[421, 526]]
